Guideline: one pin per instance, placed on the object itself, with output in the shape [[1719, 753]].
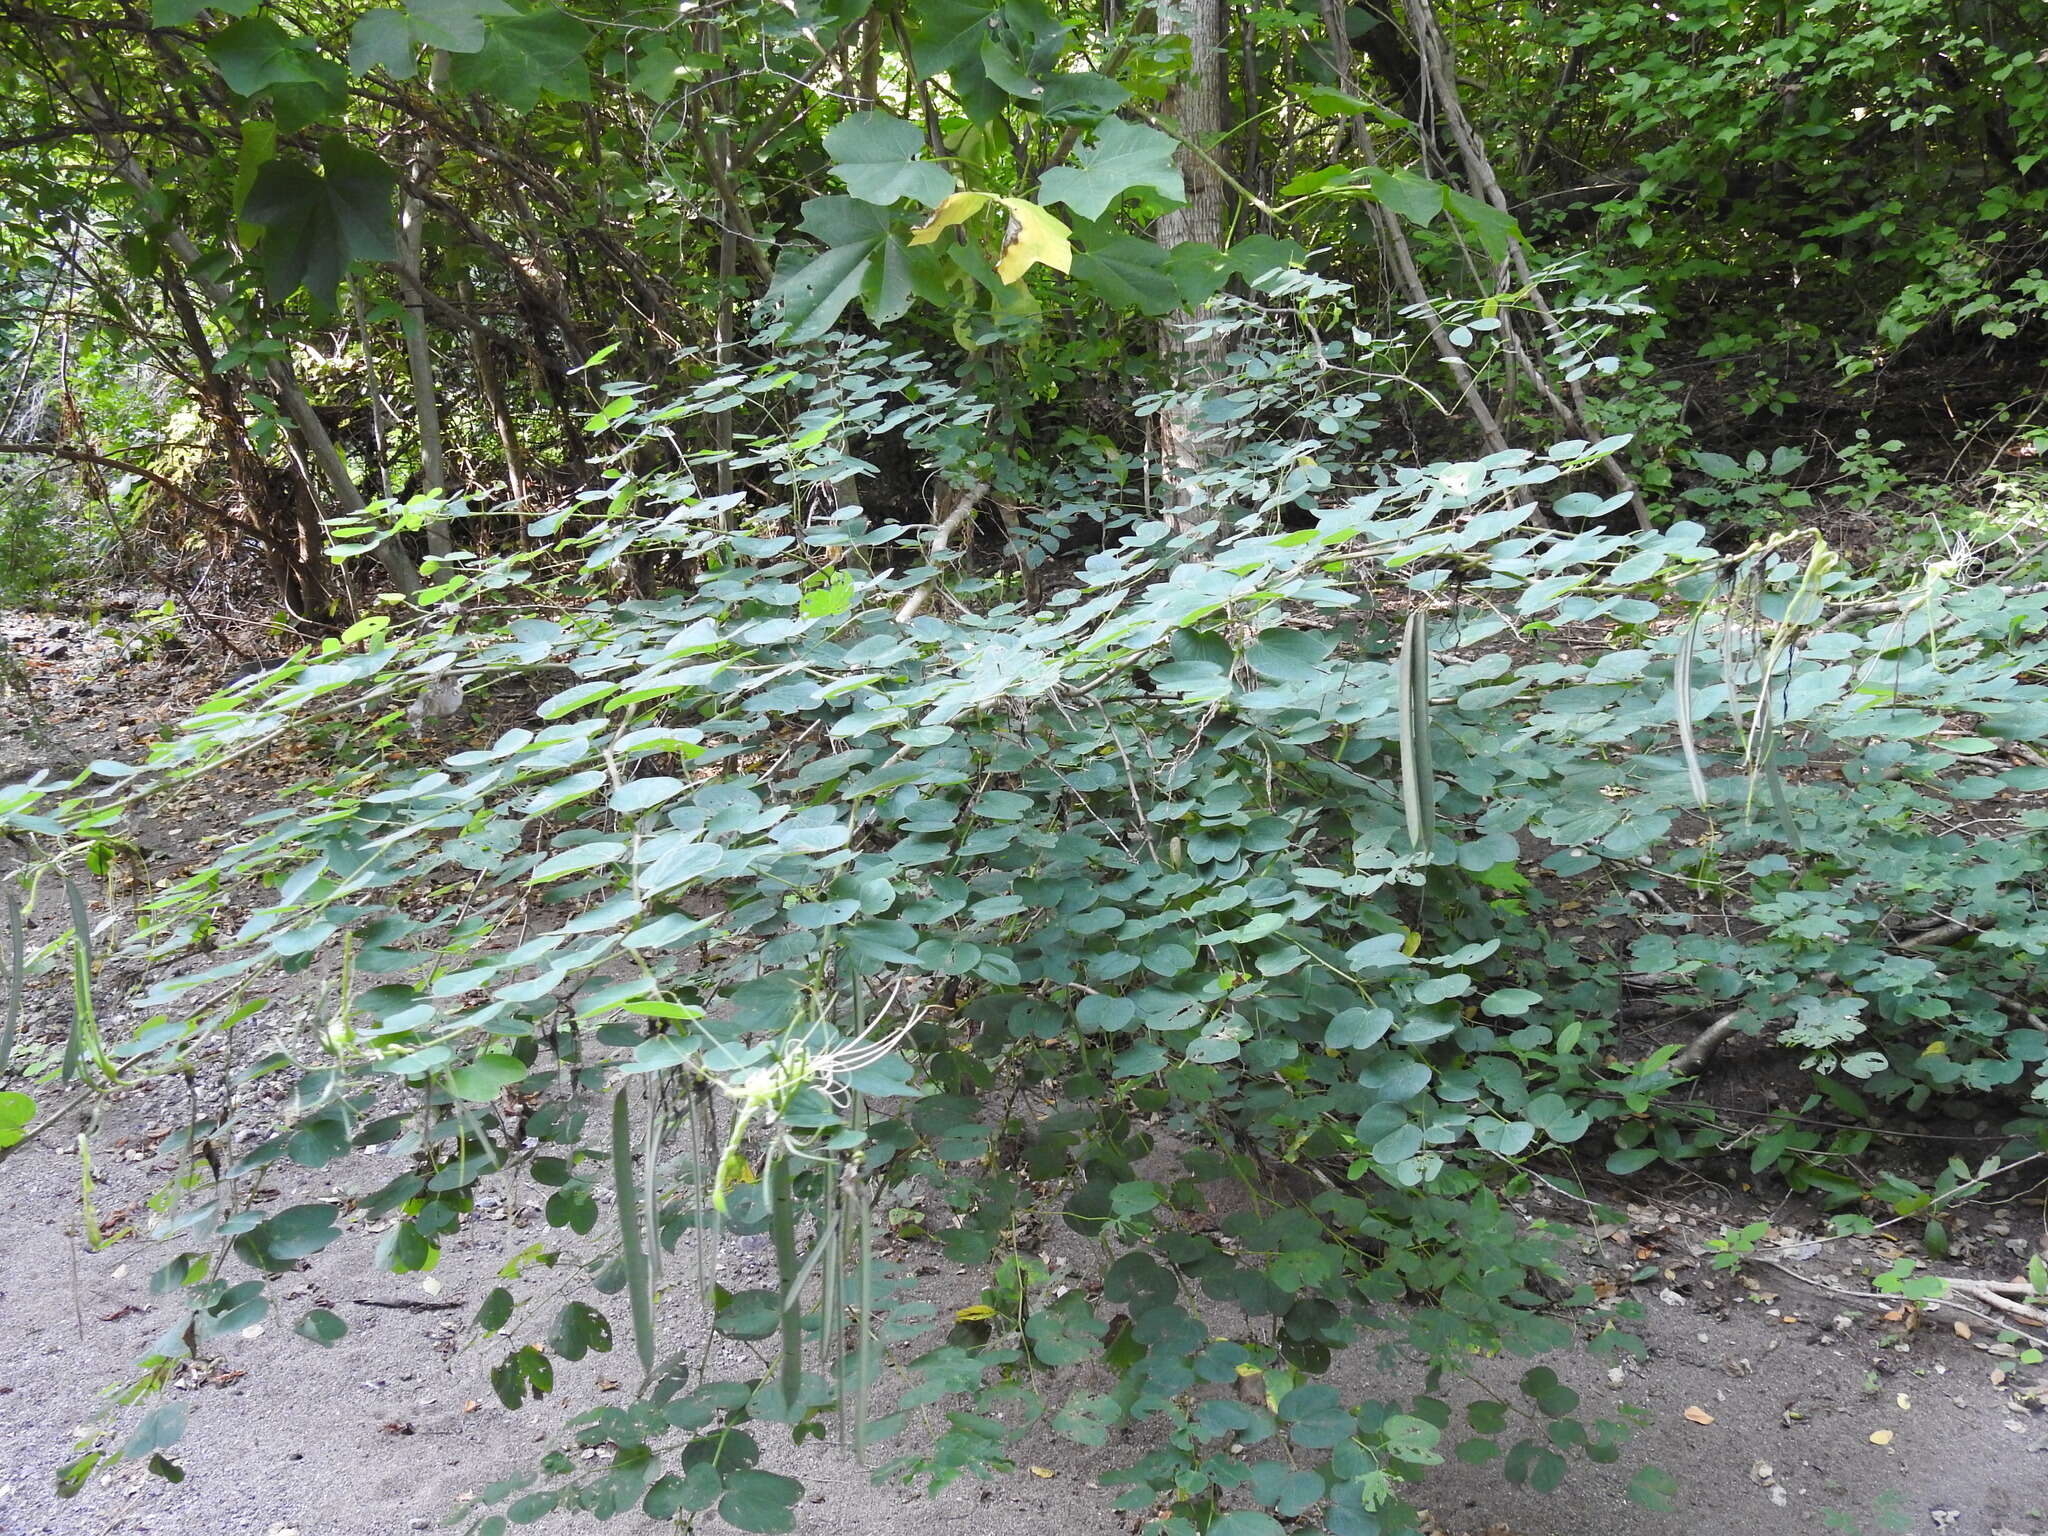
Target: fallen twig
[[2039, 1341], [913, 605]]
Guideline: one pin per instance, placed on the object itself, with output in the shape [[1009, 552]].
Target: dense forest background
[[267, 265], [916, 624]]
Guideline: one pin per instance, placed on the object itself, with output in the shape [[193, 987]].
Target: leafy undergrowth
[[1317, 851]]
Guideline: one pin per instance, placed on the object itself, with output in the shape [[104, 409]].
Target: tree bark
[[1568, 409], [313, 434], [419, 356], [1394, 243], [1197, 105]]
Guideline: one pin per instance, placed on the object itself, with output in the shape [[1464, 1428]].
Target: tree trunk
[[1197, 106], [419, 355], [1568, 409], [284, 384], [1394, 243]]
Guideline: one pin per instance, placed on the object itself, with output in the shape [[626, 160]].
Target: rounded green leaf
[[486, 1077]]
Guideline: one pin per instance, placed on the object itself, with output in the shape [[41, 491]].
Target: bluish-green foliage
[[1323, 838]]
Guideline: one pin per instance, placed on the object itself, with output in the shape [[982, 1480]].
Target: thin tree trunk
[[1394, 242], [1569, 409], [380, 409], [419, 355], [307, 583], [283, 382], [1197, 106], [492, 390], [718, 142]]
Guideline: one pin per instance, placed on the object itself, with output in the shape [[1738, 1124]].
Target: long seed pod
[[1688, 646], [863, 1309], [650, 1214], [1418, 773], [709, 1211], [639, 1282], [832, 1302], [83, 1024], [782, 1229], [17, 977]]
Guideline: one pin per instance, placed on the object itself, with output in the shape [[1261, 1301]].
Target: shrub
[[1273, 853]]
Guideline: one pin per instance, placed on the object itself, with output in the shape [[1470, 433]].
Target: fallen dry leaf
[[1043, 1472], [1880, 1437], [1699, 1415], [1962, 1330]]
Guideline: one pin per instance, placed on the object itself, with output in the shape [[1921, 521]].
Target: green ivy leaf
[[256, 53], [486, 1077], [1494, 230], [1415, 198], [1653, 1488], [298, 1232], [881, 159], [1123, 157], [864, 258], [759, 1501], [1256, 256], [322, 1327], [527, 54], [1082, 97], [382, 39], [456, 25], [315, 222], [948, 34], [1127, 272]]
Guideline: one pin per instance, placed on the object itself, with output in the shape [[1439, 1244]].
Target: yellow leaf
[[1699, 1415], [1880, 1437], [1938, 1048], [1247, 1370], [1035, 237], [1043, 1472], [975, 1314], [957, 209], [1412, 943]]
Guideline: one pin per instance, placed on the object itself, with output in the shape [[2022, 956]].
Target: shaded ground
[[1776, 1404]]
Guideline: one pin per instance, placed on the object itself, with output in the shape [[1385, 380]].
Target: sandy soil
[[1777, 1406]]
